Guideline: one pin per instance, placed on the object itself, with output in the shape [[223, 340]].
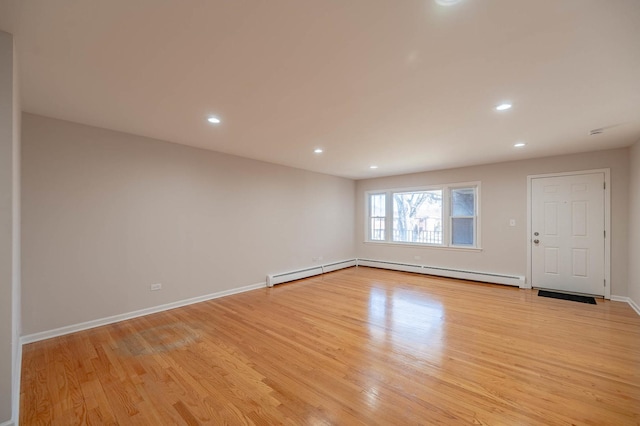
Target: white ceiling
[[408, 85]]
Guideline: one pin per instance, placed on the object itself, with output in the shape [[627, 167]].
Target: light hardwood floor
[[358, 346]]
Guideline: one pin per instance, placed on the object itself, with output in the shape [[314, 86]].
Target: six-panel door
[[567, 225]]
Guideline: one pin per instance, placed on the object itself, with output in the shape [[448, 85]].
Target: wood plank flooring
[[358, 346]]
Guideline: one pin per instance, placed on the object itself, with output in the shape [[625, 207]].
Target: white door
[[567, 226]]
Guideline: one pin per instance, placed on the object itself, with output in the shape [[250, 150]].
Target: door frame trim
[[607, 222]]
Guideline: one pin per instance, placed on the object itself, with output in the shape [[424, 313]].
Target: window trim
[[446, 213]]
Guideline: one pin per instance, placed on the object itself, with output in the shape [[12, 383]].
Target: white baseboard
[[8, 423], [421, 269], [630, 301], [35, 337]]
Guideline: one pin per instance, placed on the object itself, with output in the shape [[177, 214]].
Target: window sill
[[423, 246]]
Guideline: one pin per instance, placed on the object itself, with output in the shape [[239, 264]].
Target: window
[[463, 216], [444, 216]]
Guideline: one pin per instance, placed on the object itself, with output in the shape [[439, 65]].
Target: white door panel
[[567, 225]]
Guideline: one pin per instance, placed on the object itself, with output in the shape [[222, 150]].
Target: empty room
[[408, 212]]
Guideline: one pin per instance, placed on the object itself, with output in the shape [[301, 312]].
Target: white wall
[[503, 197], [9, 230], [634, 225], [106, 214]]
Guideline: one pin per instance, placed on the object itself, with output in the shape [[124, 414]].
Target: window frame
[[447, 210]]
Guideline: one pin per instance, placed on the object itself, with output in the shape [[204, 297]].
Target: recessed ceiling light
[[503, 107], [373, 167], [318, 150], [213, 120], [519, 144], [447, 2]]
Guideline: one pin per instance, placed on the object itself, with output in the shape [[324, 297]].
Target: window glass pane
[[463, 202], [462, 231], [377, 207], [417, 217]]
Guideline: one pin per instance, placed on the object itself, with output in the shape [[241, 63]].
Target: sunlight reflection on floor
[[412, 321]]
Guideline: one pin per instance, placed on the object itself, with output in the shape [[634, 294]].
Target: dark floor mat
[[565, 296]]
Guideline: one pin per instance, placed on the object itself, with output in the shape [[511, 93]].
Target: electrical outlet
[[512, 222], [155, 287]]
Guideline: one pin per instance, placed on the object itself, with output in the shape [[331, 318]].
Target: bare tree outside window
[[417, 217]]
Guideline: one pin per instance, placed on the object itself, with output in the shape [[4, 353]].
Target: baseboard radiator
[[487, 277], [298, 274]]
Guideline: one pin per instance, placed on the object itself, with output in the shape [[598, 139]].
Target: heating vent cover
[[488, 277], [298, 274]]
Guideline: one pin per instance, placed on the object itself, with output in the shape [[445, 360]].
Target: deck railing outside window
[[425, 237]]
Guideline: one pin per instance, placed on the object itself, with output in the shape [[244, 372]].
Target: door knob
[[536, 241]]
